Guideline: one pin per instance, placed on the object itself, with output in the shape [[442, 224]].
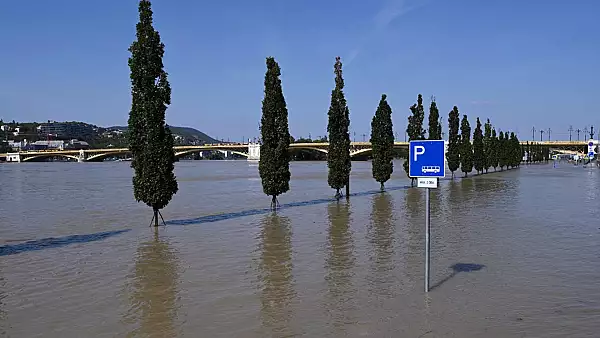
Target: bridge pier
[[13, 157], [82, 156], [253, 152]]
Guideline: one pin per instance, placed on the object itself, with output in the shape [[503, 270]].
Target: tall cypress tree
[[435, 129], [466, 148], [487, 145], [453, 152], [501, 151], [415, 129], [150, 140], [382, 142], [338, 157], [495, 148], [513, 150], [478, 148], [274, 163]]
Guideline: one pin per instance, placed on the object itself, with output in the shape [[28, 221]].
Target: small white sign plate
[[427, 182]]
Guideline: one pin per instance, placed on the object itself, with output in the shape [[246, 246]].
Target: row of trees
[[486, 150], [274, 159], [151, 141]]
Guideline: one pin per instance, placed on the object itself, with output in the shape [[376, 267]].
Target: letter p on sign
[[419, 150]]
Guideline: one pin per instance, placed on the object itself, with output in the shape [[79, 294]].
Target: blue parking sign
[[426, 158]]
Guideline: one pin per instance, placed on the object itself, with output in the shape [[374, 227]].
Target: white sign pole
[[427, 239], [426, 167]]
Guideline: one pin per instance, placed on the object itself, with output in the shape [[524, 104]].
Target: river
[[514, 254]]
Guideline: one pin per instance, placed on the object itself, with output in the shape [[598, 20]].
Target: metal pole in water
[[427, 240]]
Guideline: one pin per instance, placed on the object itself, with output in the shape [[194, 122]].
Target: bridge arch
[[191, 151], [48, 155], [360, 152], [290, 149], [102, 156]]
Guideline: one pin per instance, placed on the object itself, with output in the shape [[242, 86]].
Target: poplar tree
[[466, 148], [478, 148], [415, 129], [274, 163], [150, 140], [382, 142], [435, 129], [338, 157], [453, 152], [487, 145], [513, 150], [495, 148], [501, 151]]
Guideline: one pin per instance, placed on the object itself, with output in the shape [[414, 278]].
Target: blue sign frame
[[427, 158]]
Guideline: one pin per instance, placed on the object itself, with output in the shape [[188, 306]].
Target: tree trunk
[[155, 217], [381, 187], [348, 188], [274, 202]]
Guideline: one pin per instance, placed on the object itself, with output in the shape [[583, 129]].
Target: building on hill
[[67, 130]]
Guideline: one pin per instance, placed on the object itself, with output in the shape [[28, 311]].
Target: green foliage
[[501, 151], [466, 148], [453, 153], [338, 157], [382, 142], [494, 150], [435, 128], [487, 146], [150, 140], [478, 148], [274, 164], [414, 129], [513, 151]]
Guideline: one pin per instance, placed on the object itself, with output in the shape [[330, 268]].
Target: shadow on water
[[252, 212], [456, 269], [153, 291], [275, 272], [339, 265], [380, 234], [56, 242]]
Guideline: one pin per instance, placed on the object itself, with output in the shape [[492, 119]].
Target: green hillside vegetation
[[188, 133]]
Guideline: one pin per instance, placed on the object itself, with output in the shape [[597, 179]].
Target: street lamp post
[[549, 130], [533, 133], [578, 131], [570, 133], [541, 135]]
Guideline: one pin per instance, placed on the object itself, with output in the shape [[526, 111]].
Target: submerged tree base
[[275, 203], [154, 220]]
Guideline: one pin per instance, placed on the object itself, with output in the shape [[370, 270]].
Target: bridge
[[249, 150]]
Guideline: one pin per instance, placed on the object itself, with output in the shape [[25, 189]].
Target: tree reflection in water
[[380, 234], [340, 265], [153, 305], [275, 273]]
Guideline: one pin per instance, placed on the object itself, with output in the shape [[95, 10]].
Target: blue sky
[[520, 63]]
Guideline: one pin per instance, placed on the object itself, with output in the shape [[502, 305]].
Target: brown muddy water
[[514, 254]]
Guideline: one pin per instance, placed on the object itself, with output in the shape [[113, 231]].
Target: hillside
[[185, 132]]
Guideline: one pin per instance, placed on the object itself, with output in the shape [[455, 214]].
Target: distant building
[[17, 146], [67, 130], [47, 145], [76, 145]]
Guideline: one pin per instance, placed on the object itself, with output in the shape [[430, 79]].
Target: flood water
[[514, 254]]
